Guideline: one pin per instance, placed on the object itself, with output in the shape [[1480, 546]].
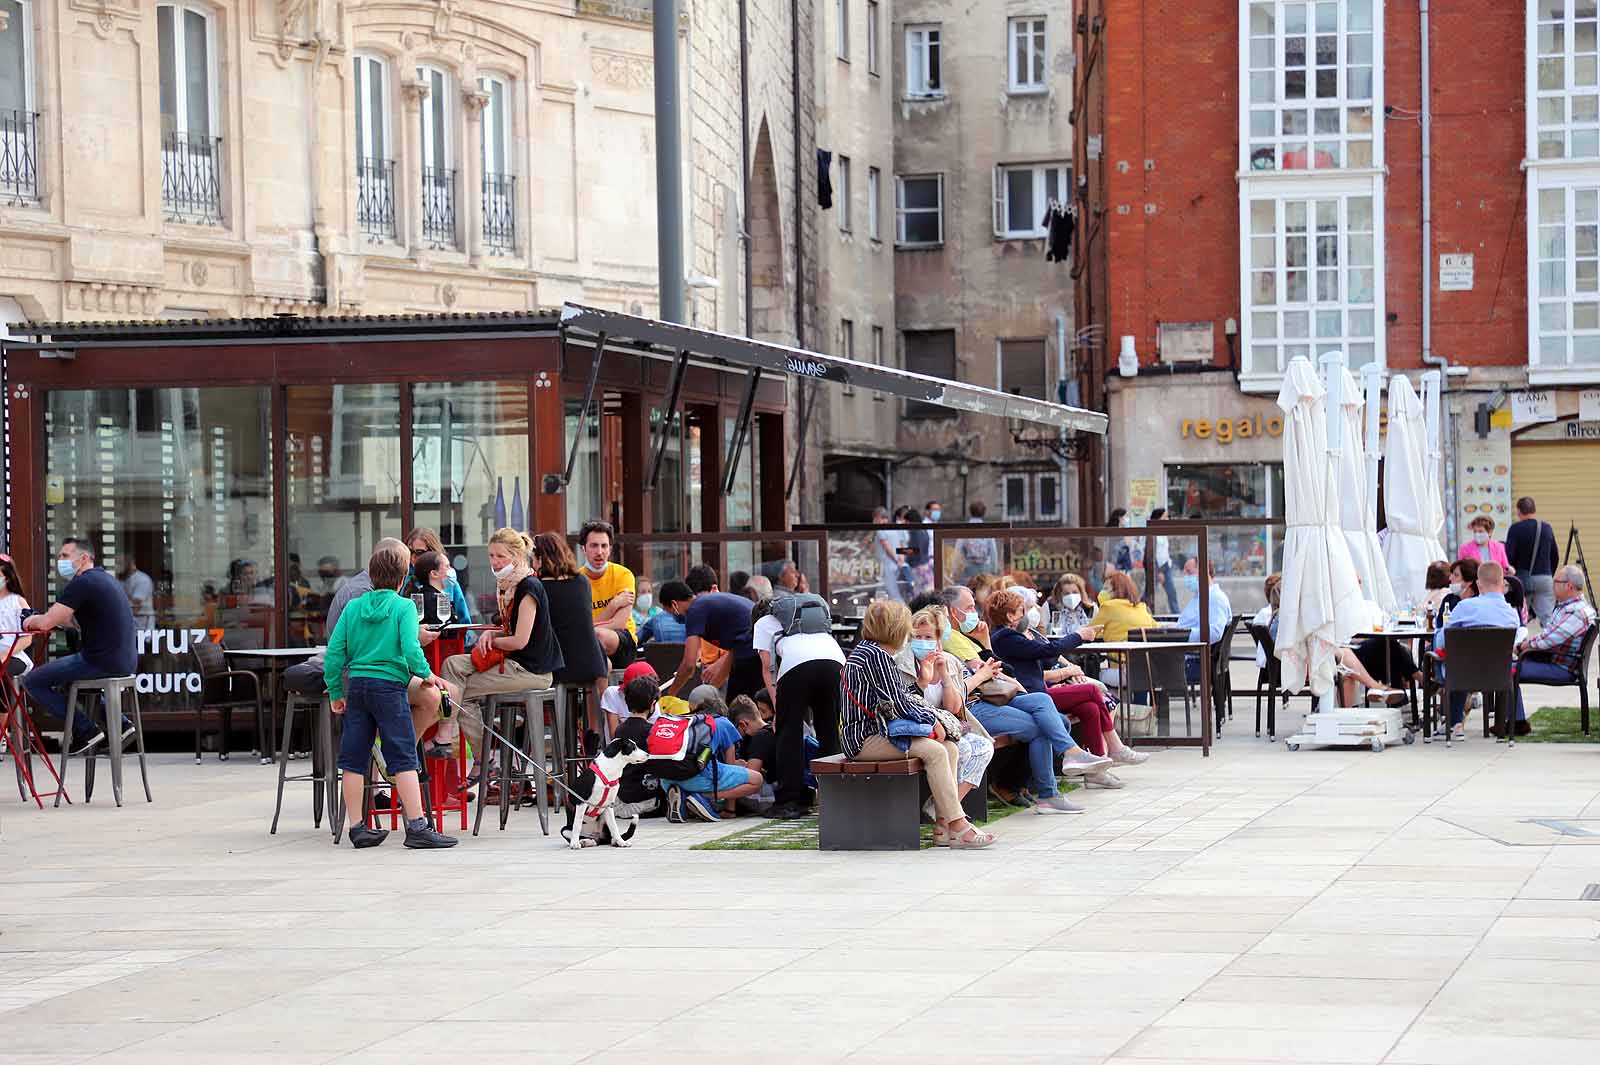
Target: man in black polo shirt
[[94, 602], [723, 620]]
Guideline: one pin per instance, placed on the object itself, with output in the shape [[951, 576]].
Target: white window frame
[[29, 63], [1041, 196], [1029, 36], [1565, 174], [1307, 148], [438, 81], [180, 105], [365, 124], [874, 207], [842, 201], [874, 13], [487, 84], [900, 210], [841, 29], [925, 40], [1282, 193], [1563, 83]]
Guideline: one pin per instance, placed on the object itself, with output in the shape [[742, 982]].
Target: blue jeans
[[377, 709], [1033, 719], [48, 686], [1539, 671], [1171, 587]]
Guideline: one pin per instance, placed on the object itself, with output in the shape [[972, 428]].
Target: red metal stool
[[23, 738]]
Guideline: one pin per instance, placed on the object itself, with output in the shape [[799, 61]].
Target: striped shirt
[[870, 677], [1562, 635]]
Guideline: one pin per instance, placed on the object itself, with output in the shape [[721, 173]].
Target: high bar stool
[[116, 691], [324, 772], [501, 708]]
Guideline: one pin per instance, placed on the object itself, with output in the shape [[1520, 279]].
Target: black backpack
[[799, 613]]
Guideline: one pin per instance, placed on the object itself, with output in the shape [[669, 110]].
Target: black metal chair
[[1269, 681], [663, 658], [1581, 679], [1479, 660], [225, 690], [1221, 675]]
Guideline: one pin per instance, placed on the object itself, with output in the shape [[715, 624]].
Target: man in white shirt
[[141, 593], [1218, 615]]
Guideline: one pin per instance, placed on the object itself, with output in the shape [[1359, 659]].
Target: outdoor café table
[[276, 660], [1390, 637], [1126, 647], [17, 726]]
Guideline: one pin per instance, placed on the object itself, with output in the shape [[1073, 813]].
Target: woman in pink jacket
[[1483, 547]]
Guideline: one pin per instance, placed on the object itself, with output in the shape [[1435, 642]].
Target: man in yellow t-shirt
[[613, 587]]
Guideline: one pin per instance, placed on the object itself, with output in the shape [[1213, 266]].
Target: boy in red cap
[[615, 704]]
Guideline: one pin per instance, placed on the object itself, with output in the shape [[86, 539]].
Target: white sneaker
[[1129, 756], [1101, 779], [1078, 761], [1057, 804]]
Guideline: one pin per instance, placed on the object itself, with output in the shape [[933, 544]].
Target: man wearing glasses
[[1551, 657]]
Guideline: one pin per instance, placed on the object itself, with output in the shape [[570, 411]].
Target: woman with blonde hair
[[523, 655], [883, 721]]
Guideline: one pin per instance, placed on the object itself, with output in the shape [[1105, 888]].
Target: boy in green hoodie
[[376, 641]]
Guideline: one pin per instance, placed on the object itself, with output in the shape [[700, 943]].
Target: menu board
[[1485, 480]]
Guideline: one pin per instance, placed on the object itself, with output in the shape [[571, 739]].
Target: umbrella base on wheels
[[1375, 727]]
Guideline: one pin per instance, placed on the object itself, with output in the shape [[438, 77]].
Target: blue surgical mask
[[66, 569], [1191, 581], [923, 648], [969, 621], [935, 515]]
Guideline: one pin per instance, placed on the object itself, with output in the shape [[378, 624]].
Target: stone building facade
[[982, 149]]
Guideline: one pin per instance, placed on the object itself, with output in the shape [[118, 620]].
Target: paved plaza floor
[[1419, 906]]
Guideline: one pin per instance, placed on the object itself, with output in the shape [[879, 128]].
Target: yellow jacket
[[1119, 616]]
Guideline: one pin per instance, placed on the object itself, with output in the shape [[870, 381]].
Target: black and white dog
[[598, 785]]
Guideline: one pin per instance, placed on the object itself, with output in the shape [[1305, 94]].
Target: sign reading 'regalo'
[[1227, 430]]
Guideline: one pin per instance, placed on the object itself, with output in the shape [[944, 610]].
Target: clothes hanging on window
[[824, 182], [1059, 223]]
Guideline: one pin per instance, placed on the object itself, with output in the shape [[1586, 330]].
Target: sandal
[[971, 839]]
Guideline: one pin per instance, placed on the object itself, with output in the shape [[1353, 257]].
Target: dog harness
[[605, 796]]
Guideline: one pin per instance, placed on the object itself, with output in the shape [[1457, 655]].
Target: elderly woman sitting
[[945, 683], [882, 720]]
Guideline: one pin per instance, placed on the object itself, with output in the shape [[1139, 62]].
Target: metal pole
[[669, 162]]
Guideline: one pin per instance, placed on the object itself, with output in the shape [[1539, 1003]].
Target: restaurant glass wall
[[470, 467], [742, 503], [174, 485], [584, 493], [342, 482]]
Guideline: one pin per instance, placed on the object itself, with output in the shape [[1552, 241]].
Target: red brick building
[[1251, 188]]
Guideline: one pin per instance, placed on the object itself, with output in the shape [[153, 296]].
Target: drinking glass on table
[[416, 601]]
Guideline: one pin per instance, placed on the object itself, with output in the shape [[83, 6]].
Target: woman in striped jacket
[[883, 720]]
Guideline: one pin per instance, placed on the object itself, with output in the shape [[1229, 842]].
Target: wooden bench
[[877, 806]]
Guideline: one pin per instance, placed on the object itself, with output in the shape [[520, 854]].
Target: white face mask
[[644, 602], [1480, 538], [1071, 600], [592, 568], [1455, 587], [505, 571], [1033, 617]]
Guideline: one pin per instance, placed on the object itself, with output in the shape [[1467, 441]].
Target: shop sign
[[1582, 431], [1589, 405], [1227, 430], [160, 650], [1531, 408], [1143, 497], [1485, 479], [1455, 273]]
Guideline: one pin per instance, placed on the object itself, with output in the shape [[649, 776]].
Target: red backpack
[[679, 746]]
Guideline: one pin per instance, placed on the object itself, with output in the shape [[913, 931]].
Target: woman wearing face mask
[[1034, 660], [421, 542], [1482, 546], [644, 602], [1068, 598], [945, 683], [12, 604], [526, 638]]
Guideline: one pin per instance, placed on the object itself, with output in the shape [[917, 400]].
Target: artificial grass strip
[[801, 833], [1561, 724]]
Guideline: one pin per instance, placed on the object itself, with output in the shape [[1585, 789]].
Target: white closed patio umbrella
[[1321, 605], [1360, 525], [1410, 501]]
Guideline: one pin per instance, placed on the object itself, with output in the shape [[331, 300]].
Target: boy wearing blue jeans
[[376, 642], [724, 776]]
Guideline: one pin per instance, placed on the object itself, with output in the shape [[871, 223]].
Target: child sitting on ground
[[725, 778], [758, 750], [376, 640]]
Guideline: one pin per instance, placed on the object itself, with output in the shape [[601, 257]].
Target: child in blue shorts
[[376, 642], [725, 778]]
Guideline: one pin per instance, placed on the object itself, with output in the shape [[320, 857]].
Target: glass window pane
[[1359, 83], [1586, 348], [1583, 37], [1583, 71], [166, 46], [1584, 315], [1358, 47], [1552, 279], [1264, 325], [470, 467], [1263, 19], [1585, 143], [1261, 88], [1296, 287], [1329, 324], [1360, 323], [1263, 252], [1552, 145], [177, 484], [1263, 359], [584, 494], [1263, 288], [1552, 110], [197, 74], [1361, 286], [1358, 15], [1296, 324], [1263, 216], [342, 477], [1586, 205], [1327, 17], [1552, 73], [1360, 250], [378, 148], [1019, 201], [1553, 317], [1552, 205], [920, 192], [1584, 109], [1294, 18], [1553, 351]]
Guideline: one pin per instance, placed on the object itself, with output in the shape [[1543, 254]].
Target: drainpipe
[[669, 162], [1439, 362], [744, 165]]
